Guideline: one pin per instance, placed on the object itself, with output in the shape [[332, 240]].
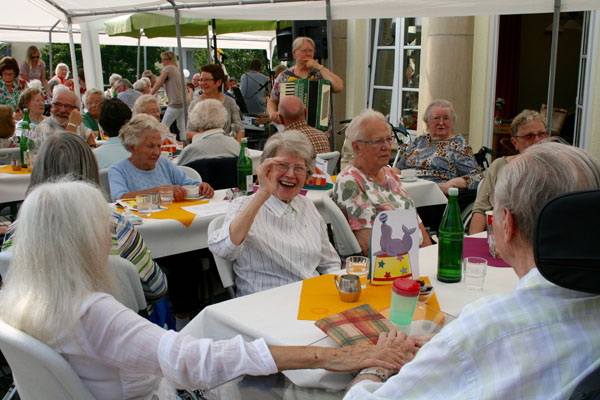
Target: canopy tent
[[73, 11], [159, 25]]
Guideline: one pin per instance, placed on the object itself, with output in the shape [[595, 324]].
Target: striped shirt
[[127, 243], [287, 242], [536, 342], [319, 140]]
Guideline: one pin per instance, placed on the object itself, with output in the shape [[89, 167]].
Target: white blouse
[[120, 355]]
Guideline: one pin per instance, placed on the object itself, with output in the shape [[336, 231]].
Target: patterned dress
[[442, 160], [8, 98], [361, 198]]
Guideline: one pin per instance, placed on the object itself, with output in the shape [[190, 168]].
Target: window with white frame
[[395, 66]]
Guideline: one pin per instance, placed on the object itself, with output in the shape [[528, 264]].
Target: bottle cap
[[406, 287], [244, 140], [453, 191]]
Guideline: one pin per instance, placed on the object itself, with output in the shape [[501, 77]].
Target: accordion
[[316, 96]]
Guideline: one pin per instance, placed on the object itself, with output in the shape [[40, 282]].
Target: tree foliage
[[115, 59], [236, 61]]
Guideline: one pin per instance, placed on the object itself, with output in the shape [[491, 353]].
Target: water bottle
[[244, 170], [24, 138], [451, 237]]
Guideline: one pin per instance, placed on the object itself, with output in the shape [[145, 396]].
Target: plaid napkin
[[357, 325]]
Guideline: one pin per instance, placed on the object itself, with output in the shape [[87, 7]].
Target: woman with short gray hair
[[528, 128], [440, 155], [209, 140], [145, 170], [276, 237], [92, 100]]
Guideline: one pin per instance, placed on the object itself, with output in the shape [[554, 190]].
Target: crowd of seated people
[[274, 237]]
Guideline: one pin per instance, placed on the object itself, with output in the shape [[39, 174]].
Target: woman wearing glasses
[[528, 128], [11, 85], [33, 67], [368, 185], [211, 83], [276, 237], [441, 155]]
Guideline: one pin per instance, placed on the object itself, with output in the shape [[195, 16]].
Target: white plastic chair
[[225, 267], [38, 370], [332, 158], [130, 294], [191, 173], [347, 243], [104, 182], [5, 258]]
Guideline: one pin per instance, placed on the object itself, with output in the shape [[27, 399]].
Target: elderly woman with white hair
[[60, 289], [276, 237], [441, 155], [149, 104], [111, 92], [210, 141], [92, 101], [62, 73], [145, 170], [368, 185]]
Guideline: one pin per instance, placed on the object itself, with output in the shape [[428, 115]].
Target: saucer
[[192, 198], [413, 179]]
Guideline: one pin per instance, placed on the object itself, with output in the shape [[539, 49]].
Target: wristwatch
[[73, 125], [374, 371]]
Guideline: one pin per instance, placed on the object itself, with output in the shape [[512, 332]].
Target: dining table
[[13, 184], [274, 315], [166, 236]]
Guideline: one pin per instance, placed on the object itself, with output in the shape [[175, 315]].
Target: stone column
[[447, 67]]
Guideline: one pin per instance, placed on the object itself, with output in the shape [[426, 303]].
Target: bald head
[[291, 110]]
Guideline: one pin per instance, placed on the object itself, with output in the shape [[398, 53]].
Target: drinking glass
[[144, 204], [166, 194], [358, 265], [474, 270]]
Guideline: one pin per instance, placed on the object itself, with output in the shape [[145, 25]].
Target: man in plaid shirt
[[537, 341], [293, 116]]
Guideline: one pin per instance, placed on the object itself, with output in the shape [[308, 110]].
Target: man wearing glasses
[[66, 116], [527, 129]]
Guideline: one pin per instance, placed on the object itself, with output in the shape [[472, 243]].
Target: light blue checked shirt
[[536, 342]]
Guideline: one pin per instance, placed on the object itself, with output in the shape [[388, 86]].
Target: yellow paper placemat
[[319, 298], [7, 170], [175, 211]]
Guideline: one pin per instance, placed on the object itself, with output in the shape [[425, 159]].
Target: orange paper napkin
[[319, 298], [8, 170], [175, 211]]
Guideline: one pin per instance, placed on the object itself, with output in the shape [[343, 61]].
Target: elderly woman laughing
[[145, 170], [368, 185], [276, 237]]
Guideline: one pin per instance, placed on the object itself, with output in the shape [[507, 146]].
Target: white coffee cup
[[191, 191], [409, 173]]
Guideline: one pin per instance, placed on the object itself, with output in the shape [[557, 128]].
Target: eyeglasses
[[206, 79], [285, 167], [531, 136], [378, 142], [66, 106], [93, 104], [8, 73], [34, 57], [445, 118]]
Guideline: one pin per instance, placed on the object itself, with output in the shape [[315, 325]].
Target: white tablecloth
[[13, 187], [167, 237], [272, 315]]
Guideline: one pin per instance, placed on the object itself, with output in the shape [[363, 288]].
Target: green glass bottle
[[24, 138], [244, 170], [451, 238]]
